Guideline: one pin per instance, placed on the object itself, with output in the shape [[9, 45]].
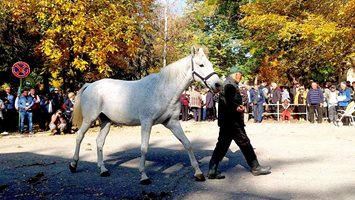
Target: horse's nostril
[[217, 85]]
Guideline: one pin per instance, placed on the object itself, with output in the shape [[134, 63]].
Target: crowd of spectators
[[31, 112], [311, 102], [201, 103]]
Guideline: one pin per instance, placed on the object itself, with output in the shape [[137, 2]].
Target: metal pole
[[18, 96], [278, 111], [165, 33]]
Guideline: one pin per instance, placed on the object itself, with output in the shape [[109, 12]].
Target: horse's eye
[[201, 65]]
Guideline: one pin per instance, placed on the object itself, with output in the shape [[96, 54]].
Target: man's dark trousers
[[312, 108], [226, 135]]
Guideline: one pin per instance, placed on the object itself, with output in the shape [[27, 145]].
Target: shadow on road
[[32, 176]]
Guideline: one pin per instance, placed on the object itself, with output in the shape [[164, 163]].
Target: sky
[[177, 6]]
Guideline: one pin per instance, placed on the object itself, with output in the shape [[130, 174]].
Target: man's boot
[[257, 169], [212, 172]]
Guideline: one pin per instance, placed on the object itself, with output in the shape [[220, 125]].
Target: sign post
[[20, 70]]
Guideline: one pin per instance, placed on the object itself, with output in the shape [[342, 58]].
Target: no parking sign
[[21, 69]]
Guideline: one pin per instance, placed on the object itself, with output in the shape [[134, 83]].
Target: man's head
[[353, 84], [238, 76], [333, 88], [343, 85], [301, 89], [24, 92], [314, 85], [273, 85], [33, 91], [7, 89], [71, 95], [59, 112]]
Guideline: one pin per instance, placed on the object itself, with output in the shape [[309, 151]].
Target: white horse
[[146, 102]]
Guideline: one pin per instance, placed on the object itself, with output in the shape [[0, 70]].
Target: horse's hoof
[[105, 174], [146, 182], [72, 169], [200, 177]]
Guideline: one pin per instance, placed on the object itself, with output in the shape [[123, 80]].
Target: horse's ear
[[193, 50]]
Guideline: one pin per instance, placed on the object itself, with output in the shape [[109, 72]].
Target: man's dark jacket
[[229, 100]]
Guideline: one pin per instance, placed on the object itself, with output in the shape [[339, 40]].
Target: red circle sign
[[21, 69]]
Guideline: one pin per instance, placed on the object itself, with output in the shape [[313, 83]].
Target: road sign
[[21, 69]]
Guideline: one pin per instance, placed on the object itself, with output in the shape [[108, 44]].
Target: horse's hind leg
[[79, 138], [100, 140], [175, 127]]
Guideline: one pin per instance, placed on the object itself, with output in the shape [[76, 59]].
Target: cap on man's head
[[333, 86], [235, 69]]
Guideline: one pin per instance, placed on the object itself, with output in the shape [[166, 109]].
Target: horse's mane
[[174, 70]]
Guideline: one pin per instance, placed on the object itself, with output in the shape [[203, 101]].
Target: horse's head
[[203, 71]]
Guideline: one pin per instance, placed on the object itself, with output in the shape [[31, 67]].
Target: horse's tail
[[77, 114]]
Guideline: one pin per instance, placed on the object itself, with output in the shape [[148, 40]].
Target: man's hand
[[321, 105], [240, 108]]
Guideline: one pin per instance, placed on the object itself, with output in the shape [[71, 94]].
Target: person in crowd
[[58, 123], [285, 94], [266, 91], [68, 107], [314, 101], [332, 100], [293, 90], [326, 91], [184, 100], [275, 98], [258, 100], [56, 99], [25, 104], [344, 99], [216, 99], [45, 115], [231, 123], [286, 111], [36, 108], [245, 99], [203, 105], [210, 106], [2, 107], [195, 104], [10, 113], [353, 86], [300, 102]]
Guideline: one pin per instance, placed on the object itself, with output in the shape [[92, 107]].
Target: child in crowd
[[286, 113]]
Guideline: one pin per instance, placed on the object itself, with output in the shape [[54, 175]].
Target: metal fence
[[278, 113]]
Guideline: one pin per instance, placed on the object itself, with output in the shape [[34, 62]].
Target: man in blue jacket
[[25, 103], [315, 101], [258, 99], [344, 99]]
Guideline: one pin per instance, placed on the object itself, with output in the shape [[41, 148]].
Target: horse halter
[[204, 79]]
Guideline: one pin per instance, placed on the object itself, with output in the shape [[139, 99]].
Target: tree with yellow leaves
[[313, 39], [84, 40]]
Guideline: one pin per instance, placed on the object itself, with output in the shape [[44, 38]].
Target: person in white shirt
[[332, 100]]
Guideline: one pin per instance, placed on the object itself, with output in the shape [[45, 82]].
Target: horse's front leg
[[175, 127], [145, 135]]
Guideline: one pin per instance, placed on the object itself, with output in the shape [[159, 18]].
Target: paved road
[[308, 162]]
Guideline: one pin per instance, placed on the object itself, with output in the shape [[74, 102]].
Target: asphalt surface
[[309, 161]]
